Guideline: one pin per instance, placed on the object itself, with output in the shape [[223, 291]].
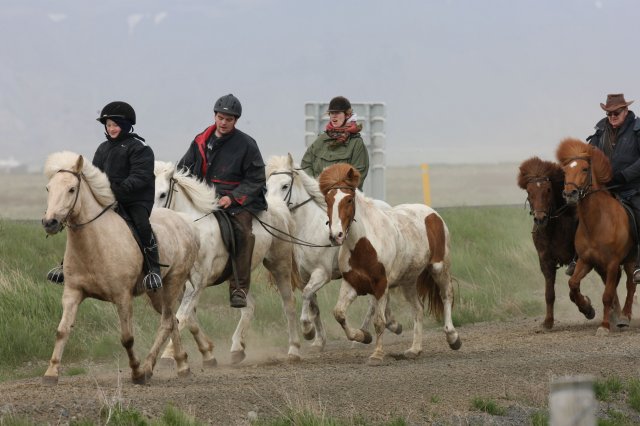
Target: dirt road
[[510, 363]]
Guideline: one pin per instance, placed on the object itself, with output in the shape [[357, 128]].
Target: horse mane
[[534, 168], [339, 173], [98, 181], [203, 196], [570, 149]]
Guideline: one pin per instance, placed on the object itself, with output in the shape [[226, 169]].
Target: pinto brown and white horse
[[603, 239], [103, 261], [406, 246], [554, 222]]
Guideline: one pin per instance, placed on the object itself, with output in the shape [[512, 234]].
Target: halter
[[287, 197], [586, 188], [65, 222]]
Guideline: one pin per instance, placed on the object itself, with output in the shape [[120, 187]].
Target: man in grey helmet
[[229, 160]]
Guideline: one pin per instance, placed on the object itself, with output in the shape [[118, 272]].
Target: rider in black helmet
[[128, 163], [229, 159]]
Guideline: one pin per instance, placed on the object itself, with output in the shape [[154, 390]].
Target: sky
[[463, 81]]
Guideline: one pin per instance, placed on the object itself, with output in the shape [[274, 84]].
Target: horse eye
[[585, 170], [72, 190], [285, 187], [327, 223], [162, 195], [47, 188]]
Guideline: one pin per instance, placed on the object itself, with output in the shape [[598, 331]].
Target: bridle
[[585, 189], [353, 217], [65, 221], [287, 197], [172, 189]]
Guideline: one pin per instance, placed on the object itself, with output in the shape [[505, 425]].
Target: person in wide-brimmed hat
[[618, 136]]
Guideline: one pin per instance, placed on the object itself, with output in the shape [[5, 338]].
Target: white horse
[[102, 259], [316, 258], [181, 192], [406, 246]]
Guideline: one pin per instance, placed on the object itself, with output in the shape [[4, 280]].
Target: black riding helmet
[[228, 104], [118, 110], [339, 104]]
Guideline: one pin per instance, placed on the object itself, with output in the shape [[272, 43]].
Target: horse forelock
[[202, 196], [534, 168], [98, 181], [338, 175], [571, 149], [163, 168], [277, 163]]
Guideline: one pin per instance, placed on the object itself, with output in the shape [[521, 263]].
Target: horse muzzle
[[51, 226], [337, 240], [541, 220], [571, 197]]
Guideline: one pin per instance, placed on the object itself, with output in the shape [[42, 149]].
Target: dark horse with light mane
[[603, 238], [554, 222]]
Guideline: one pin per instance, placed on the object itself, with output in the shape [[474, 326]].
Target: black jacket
[[232, 164], [128, 163], [625, 157]]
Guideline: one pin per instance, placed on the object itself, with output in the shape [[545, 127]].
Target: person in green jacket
[[339, 143]]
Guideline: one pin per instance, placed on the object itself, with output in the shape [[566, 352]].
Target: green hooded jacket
[[321, 155]]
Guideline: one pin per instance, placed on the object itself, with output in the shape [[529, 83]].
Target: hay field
[[23, 196]]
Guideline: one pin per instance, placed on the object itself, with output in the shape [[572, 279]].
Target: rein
[[65, 221], [172, 189]]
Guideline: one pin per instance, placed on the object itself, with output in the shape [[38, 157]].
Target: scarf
[[340, 135]]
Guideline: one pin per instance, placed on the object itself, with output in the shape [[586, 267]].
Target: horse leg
[[237, 340], [283, 282], [186, 317], [549, 272], [346, 297], [391, 324], [625, 317], [320, 339], [317, 280], [379, 324], [441, 274], [417, 306], [125, 314], [70, 301], [611, 284], [582, 302]]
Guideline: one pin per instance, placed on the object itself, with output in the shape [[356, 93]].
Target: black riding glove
[[618, 179]]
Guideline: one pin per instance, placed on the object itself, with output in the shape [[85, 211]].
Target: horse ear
[[79, 163], [353, 176], [290, 159]]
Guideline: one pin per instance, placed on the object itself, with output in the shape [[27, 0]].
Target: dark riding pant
[[245, 240], [140, 217]]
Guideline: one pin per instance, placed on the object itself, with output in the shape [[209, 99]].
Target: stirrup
[[238, 298], [152, 281], [636, 276], [56, 275], [570, 268]]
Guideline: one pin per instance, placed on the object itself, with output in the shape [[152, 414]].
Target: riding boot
[[153, 279], [241, 258], [56, 275]]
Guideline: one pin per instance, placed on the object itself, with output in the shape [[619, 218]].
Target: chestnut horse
[[406, 246], [554, 222], [103, 261], [603, 238]]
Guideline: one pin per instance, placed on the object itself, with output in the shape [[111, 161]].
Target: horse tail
[[296, 279], [428, 287]]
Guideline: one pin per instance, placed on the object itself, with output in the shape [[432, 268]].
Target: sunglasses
[[615, 113]]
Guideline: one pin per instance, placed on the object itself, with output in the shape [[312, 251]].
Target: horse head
[[338, 183], [542, 180], [165, 183], [585, 168], [281, 173]]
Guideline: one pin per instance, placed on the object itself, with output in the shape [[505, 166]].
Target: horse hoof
[[398, 330], [184, 373], [623, 322], [143, 379], [310, 335], [456, 345], [409, 354], [49, 380], [316, 349], [237, 357], [547, 324], [366, 337], [210, 363], [602, 331], [591, 313], [294, 358], [374, 362]]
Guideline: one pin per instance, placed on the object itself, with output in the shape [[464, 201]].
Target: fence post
[[572, 401]]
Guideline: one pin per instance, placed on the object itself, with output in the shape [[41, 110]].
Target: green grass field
[[494, 265]]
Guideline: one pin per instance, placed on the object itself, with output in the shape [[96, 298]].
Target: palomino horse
[[554, 222], [603, 238], [102, 259], [316, 259], [406, 246], [181, 192]]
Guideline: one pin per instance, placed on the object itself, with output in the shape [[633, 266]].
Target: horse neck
[[89, 206], [593, 207], [367, 221], [182, 203]]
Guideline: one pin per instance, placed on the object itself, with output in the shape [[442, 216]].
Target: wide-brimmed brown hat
[[614, 102]]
